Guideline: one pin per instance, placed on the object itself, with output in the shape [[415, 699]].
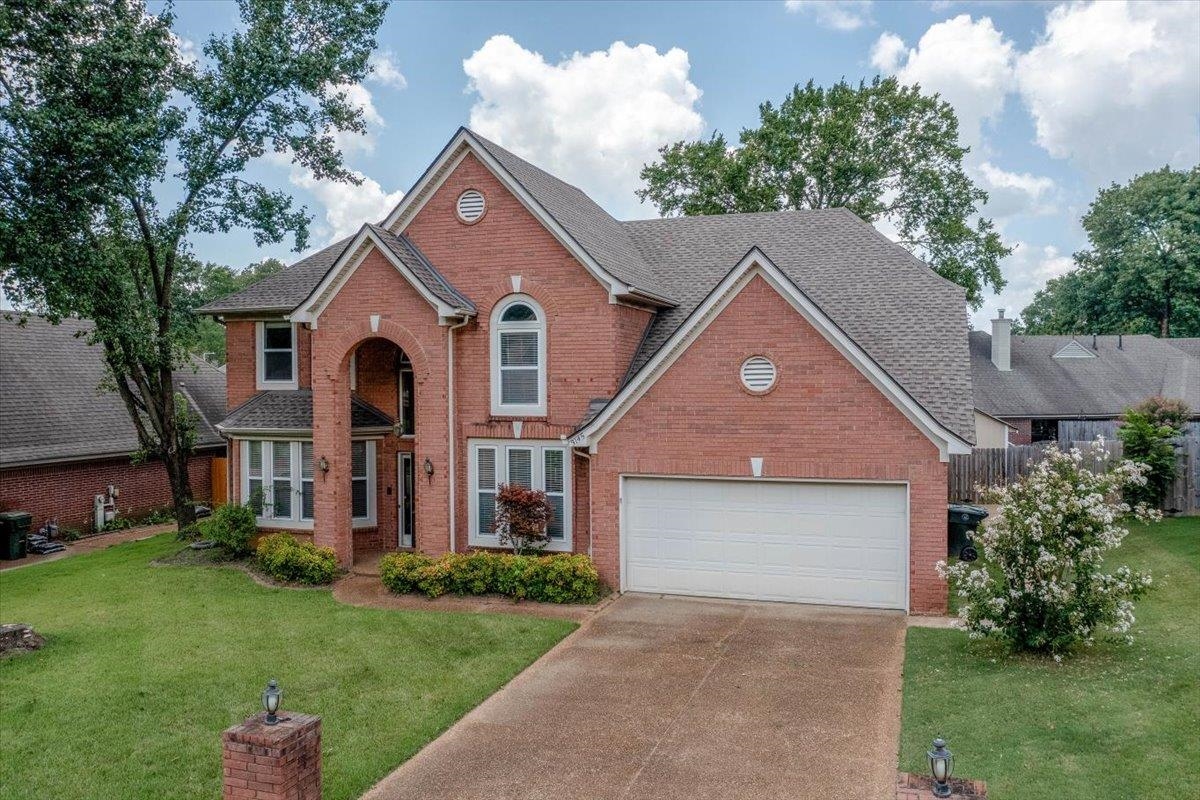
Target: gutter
[[452, 436]]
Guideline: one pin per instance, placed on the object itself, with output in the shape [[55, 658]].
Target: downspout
[[453, 434]]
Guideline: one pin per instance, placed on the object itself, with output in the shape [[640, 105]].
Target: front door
[[404, 497]]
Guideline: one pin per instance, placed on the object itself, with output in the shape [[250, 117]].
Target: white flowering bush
[[1040, 585]]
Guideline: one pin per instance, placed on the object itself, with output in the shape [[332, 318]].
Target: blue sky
[[1055, 99]]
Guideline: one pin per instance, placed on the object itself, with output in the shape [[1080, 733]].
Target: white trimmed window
[[518, 358], [276, 344], [542, 465], [277, 481]]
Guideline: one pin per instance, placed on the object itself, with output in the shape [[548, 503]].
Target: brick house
[[64, 439], [1075, 388], [753, 406]]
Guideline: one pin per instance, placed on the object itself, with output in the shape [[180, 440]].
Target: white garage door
[[835, 543]]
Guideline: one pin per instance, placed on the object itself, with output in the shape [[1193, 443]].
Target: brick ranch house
[[64, 439], [751, 406], [1074, 388]]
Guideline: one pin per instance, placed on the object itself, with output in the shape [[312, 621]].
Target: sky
[[1055, 100]]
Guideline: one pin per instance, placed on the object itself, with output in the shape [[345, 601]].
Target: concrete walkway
[[662, 697]]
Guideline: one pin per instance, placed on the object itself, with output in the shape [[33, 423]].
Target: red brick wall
[[1023, 433], [590, 342], [65, 491], [823, 419], [241, 355]]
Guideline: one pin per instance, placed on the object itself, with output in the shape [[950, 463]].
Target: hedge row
[[285, 559], [559, 578]]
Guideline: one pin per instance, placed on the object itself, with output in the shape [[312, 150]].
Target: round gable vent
[[470, 206], [758, 374]]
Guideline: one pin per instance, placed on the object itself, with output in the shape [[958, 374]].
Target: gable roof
[[290, 411], [911, 321], [53, 409], [608, 241], [904, 315], [1040, 385], [756, 263], [283, 291]]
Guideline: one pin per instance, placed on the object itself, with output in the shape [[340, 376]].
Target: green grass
[[145, 666], [1114, 721]]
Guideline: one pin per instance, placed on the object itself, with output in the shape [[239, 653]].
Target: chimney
[[1002, 342]]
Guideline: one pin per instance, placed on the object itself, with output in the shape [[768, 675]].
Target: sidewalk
[[91, 544]]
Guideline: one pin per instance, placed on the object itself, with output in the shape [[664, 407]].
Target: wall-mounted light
[[428, 469], [323, 464]]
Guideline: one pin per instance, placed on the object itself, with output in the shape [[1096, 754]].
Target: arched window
[[518, 358]]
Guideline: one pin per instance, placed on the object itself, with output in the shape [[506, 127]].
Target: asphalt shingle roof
[[602, 237], [53, 409], [1040, 385], [905, 316], [291, 410], [415, 260]]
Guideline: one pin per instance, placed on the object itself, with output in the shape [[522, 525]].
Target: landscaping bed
[[1113, 721], [144, 666]]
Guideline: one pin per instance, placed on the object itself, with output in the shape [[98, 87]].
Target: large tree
[[1141, 273], [883, 150], [211, 282], [115, 148]]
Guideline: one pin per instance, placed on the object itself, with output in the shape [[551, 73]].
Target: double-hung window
[[542, 465], [277, 482], [518, 358], [276, 345]]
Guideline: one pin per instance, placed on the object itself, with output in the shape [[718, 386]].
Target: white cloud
[[347, 206], [887, 52], [385, 71], [841, 15], [1027, 270], [591, 118], [188, 52], [1115, 87], [968, 62], [1012, 193]]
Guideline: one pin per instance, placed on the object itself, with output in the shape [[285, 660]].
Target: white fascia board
[[756, 263], [450, 157], [340, 273]]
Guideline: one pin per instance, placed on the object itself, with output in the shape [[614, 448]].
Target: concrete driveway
[[669, 697]]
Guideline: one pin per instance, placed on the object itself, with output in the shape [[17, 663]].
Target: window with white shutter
[[518, 358], [277, 482], [541, 465]]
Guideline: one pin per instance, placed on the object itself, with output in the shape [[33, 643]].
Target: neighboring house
[[753, 406], [1068, 388], [992, 432], [64, 439]]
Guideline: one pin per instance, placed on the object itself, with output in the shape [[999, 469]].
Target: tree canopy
[[1141, 273], [206, 336], [883, 150], [115, 148]]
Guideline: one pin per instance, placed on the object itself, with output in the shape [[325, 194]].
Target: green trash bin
[[963, 520], [14, 525]]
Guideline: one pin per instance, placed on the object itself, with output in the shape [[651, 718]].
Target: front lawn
[[145, 666], [1113, 722]]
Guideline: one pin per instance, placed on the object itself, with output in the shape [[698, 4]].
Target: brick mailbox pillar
[[273, 762]]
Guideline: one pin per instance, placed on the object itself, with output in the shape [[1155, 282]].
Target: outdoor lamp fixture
[[941, 766], [323, 464], [428, 467], [270, 700]]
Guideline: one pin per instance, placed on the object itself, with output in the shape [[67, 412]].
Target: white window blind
[[541, 465]]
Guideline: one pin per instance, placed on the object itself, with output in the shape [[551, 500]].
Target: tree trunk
[[176, 464]]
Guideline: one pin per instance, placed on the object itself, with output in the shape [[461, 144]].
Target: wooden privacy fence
[[999, 466]]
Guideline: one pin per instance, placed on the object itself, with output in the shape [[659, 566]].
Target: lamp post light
[[941, 766], [271, 696]]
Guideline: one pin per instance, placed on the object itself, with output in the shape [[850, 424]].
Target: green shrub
[[1147, 431], [232, 527], [285, 559], [560, 578], [399, 570]]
